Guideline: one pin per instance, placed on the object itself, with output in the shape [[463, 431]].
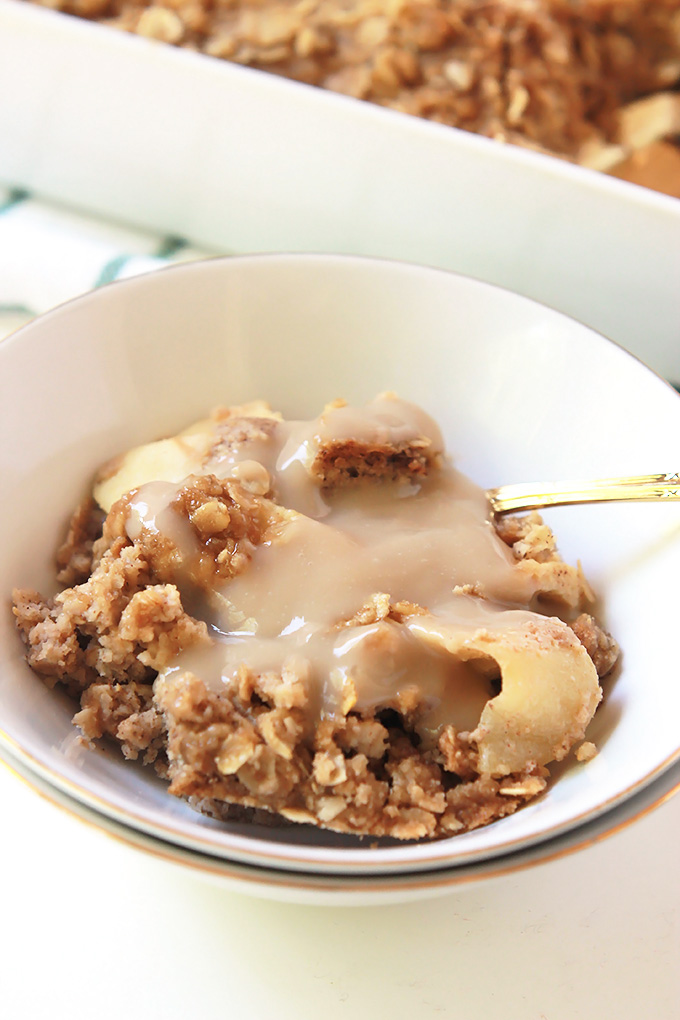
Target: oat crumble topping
[[363, 722]]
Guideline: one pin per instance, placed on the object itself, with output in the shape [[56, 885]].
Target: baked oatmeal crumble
[[131, 638], [553, 75]]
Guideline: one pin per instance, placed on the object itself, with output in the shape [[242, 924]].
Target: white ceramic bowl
[[522, 393]]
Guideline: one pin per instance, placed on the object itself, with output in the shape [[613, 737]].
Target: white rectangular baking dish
[[236, 160]]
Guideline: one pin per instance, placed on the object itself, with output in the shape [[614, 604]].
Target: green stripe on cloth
[[111, 270], [16, 196], [9, 309], [169, 246]]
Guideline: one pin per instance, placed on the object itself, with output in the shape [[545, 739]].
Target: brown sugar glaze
[[320, 619], [423, 542]]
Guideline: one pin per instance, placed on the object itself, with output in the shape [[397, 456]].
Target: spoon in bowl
[[536, 495]]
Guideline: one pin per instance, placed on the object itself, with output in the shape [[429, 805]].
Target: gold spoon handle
[[534, 496]]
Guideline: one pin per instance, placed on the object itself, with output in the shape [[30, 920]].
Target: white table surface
[[93, 928]]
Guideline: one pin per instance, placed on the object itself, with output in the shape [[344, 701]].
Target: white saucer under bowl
[[522, 394], [359, 890]]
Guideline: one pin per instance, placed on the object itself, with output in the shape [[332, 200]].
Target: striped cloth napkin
[[49, 255]]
